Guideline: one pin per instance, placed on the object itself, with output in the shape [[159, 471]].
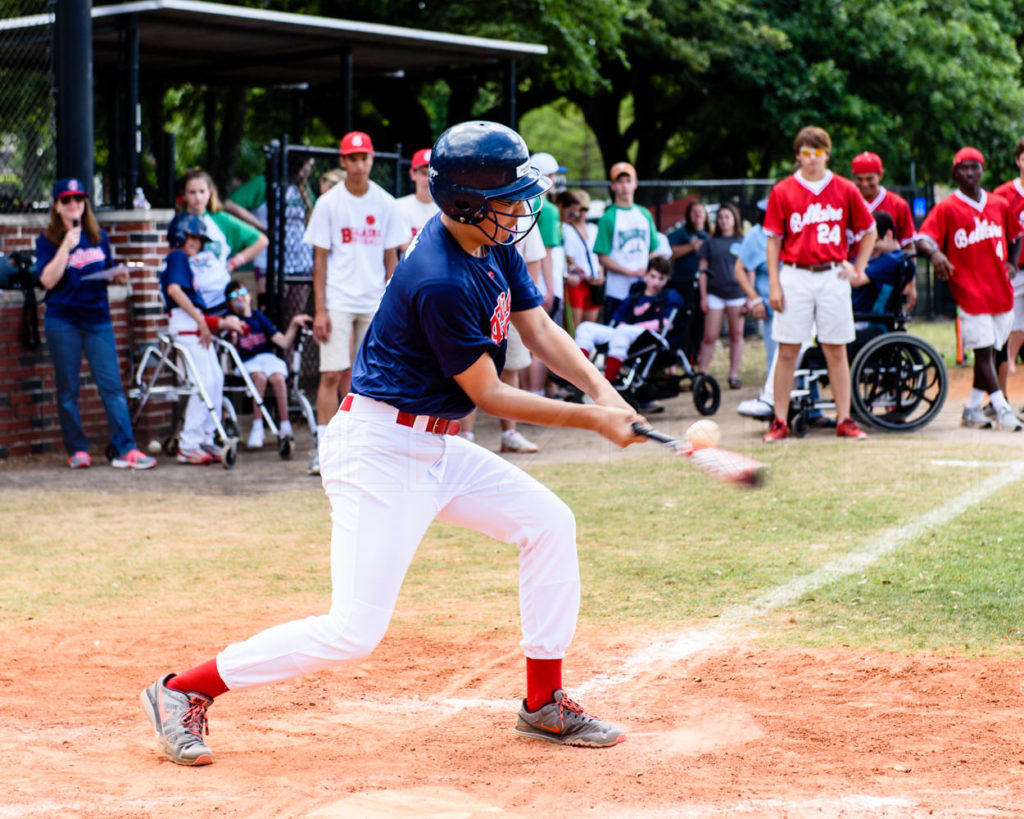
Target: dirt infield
[[423, 728]]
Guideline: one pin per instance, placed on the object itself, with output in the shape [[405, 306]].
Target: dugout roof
[[189, 41]]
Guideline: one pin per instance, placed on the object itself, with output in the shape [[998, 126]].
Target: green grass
[[660, 547]]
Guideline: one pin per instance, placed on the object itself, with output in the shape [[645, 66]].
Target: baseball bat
[[722, 464]]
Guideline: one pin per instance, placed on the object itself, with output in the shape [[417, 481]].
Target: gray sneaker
[[179, 720], [314, 462], [975, 417], [1008, 420], [566, 723]]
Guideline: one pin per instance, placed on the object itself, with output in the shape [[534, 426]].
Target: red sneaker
[[779, 431], [848, 429]]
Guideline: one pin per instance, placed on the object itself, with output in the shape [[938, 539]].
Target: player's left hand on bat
[[616, 424]]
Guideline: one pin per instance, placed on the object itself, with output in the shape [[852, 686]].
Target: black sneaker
[[566, 723], [179, 720]]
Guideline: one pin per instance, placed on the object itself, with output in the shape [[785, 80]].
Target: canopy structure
[[213, 43]]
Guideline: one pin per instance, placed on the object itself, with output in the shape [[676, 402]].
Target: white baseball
[[155, 447], [703, 434]]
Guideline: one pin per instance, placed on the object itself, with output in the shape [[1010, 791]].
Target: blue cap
[[69, 186]]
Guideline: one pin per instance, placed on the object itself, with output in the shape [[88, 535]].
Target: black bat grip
[[74, 223], [653, 434]]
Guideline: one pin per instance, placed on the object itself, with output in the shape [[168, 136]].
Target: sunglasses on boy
[[237, 294], [809, 152]]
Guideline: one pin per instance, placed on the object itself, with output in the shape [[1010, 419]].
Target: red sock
[[612, 367], [543, 678], [205, 679]]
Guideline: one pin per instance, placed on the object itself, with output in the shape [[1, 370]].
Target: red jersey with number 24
[[812, 218], [975, 237]]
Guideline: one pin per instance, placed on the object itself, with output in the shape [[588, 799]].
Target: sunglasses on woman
[[77, 197]]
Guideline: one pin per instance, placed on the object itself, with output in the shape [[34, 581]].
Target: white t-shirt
[[533, 250], [355, 230], [414, 214]]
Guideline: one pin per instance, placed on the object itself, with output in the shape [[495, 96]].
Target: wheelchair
[[898, 381]]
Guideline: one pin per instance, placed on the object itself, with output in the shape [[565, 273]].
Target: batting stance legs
[[386, 483]]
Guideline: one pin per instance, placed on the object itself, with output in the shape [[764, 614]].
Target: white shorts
[[821, 299], [517, 357], [1018, 313], [347, 333], [266, 363], [985, 330], [716, 303]]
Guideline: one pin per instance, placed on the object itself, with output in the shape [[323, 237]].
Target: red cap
[[356, 142], [420, 158], [968, 155], [619, 168], [866, 162]]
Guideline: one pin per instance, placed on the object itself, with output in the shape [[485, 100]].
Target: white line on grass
[[693, 641], [971, 464]]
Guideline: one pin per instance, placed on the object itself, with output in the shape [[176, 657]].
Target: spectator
[[231, 243], [328, 179], [686, 241], [415, 209], [256, 349], [625, 238], [867, 176], [583, 270], [806, 223], [646, 310], [188, 320], [751, 272], [1013, 192], [355, 233], [720, 294], [248, 202], [972, 239], [71, 249]]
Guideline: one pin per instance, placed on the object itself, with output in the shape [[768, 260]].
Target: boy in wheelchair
[[256, 349], [643, 309]]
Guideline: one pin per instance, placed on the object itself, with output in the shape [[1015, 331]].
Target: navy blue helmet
[[184, 225], [475, 163]]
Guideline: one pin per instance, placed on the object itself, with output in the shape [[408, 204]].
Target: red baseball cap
[[866, 162], [968, 154], [420, 158], [356, 142]]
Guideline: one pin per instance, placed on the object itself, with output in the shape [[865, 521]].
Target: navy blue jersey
[[635, 309], [257, 340], [177, 270], [441, 311], [72, 299]]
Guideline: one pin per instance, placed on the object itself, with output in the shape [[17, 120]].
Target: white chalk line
[[735, 618]]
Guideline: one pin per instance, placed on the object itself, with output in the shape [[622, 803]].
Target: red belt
[[431, 423]]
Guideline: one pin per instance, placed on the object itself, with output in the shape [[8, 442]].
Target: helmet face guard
[[474, 165]]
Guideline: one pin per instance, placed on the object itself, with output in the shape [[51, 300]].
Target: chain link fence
[[28, 142]]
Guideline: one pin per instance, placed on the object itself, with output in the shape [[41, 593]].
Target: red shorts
[[579, 296]]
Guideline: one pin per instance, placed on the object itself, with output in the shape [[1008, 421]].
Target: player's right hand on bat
[[616, 424]]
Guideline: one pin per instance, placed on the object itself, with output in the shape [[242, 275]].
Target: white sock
[[321, 430], [508, 432], [257, 423], [974, 399], [998, 400]]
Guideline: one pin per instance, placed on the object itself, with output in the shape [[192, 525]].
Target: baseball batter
[[391, 462]]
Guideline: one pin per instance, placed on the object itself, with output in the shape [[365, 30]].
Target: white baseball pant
[[619, 338], [386, 483]]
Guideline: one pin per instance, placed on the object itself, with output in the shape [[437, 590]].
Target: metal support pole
[[512, 90], [132, 110], [169, 178], [347, 70], [72, 56]]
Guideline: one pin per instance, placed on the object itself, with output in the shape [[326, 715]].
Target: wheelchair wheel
[[171, 445], [230, 427], [229, 454], [285, 447], [899, 383], [110, 452], [798, 421], [707, 394]]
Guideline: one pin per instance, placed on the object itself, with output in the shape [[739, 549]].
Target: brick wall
[[28, 410]]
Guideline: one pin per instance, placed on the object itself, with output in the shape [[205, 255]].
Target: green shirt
[[250, 195], [549, 224]]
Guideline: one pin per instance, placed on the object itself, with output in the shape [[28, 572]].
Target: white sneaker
[[285, 430], [314, 462], [756, 408], [255, 438], [1008, 420], [513, 441], [975, 417], [468, 435]]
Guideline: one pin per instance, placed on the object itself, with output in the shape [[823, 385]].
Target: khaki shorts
[[517, 357], [985, 329], [347, 333]]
